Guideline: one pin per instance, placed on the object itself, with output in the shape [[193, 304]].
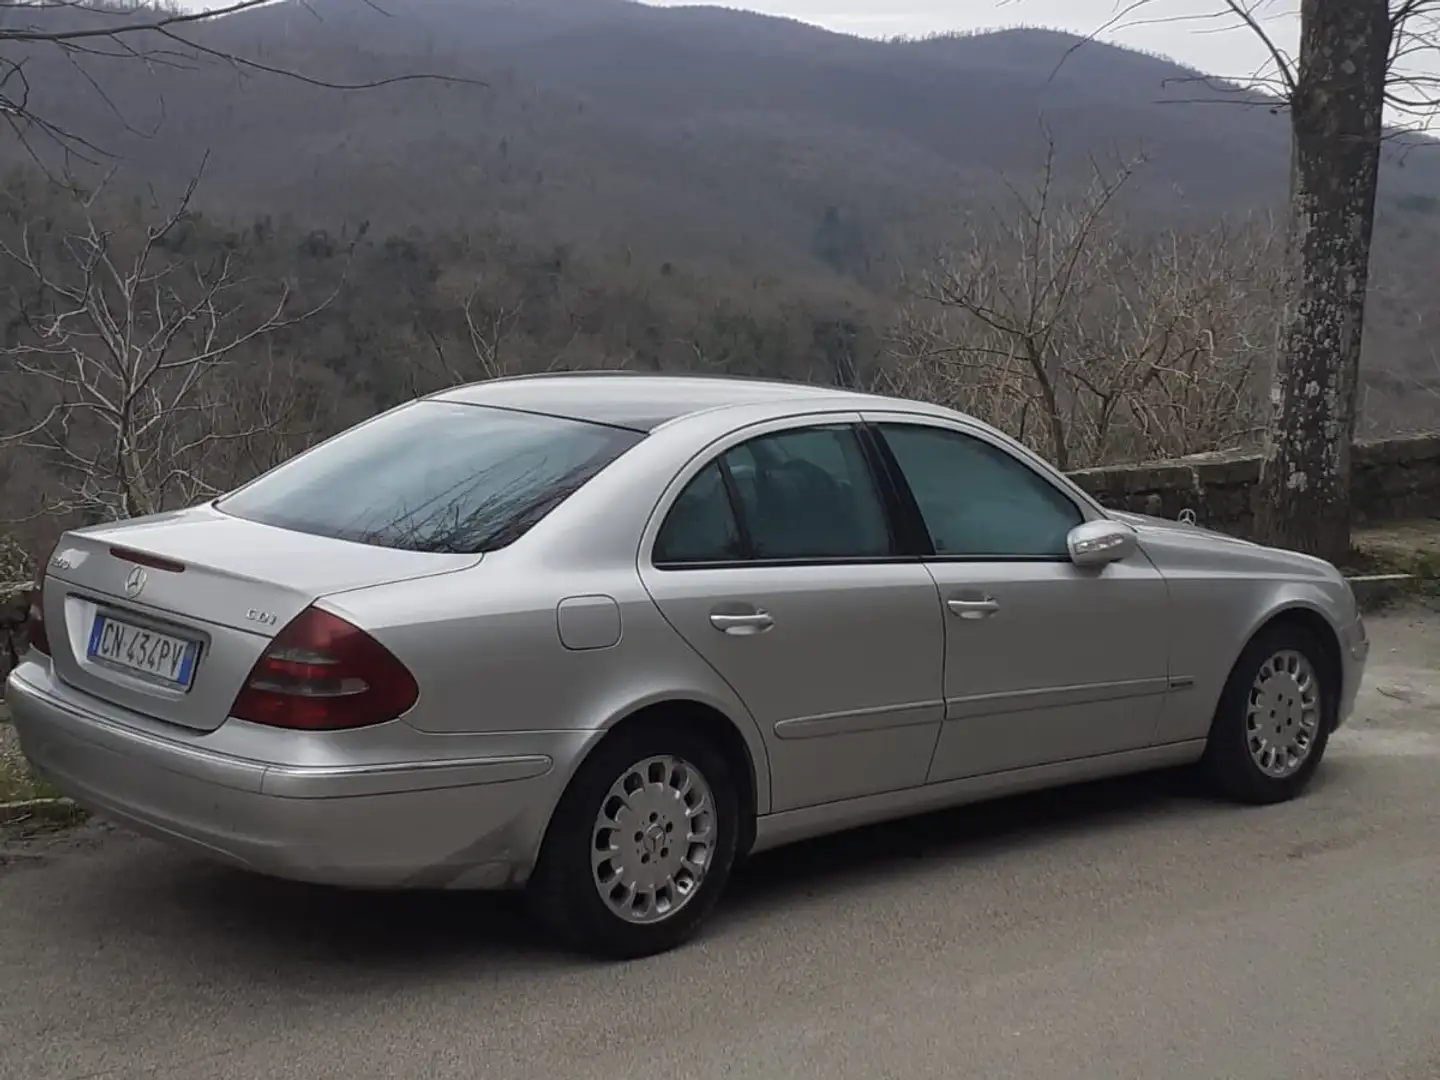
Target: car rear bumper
[[471, 823]]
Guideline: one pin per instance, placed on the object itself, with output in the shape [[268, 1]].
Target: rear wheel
[[641, 845], [1274, 720]]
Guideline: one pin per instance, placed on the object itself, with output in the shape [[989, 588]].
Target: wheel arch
[[1314, 621], [1317, 623], [749, 774], [737, 739]]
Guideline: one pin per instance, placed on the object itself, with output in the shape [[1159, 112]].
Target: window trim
[[910, 506], [715, 452], [732, 499]]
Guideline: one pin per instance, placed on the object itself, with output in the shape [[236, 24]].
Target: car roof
[[638, 400]]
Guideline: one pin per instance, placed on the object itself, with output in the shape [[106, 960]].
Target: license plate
[[142, 651]]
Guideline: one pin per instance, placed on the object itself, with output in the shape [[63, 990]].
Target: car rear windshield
[[434, 476]]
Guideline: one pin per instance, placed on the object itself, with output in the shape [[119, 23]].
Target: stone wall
[[1392, 480]]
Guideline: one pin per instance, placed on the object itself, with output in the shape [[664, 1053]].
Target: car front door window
[[978, 501]]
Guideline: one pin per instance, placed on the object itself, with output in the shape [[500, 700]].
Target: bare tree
[[16, 581], [1092, 341], [158, 35], [1355, 58], [491, 349], [490, 331], [494, 343], [1023, 315], [15, 571], [147, 380]]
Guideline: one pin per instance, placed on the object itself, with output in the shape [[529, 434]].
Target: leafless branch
[[1091, 341], [16, 573], [150, 36], [1413, 88], [1245, 12], [1229, 14], [162, 21], [149, 380]]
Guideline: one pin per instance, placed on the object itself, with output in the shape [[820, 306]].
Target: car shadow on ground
[[283, 928], [1042, 819]]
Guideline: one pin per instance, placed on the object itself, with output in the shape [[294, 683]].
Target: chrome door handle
[[973, 609], [740, 625]]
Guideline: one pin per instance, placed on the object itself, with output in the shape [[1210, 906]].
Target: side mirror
[[1099, 543]]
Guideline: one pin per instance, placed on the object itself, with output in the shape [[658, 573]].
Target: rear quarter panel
[[485, 643]]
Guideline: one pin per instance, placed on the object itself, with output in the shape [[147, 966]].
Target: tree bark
[[1337, 111]]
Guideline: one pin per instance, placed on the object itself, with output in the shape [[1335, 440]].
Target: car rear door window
[[978, 500], [701, 527], [810, 494], [434, 476], [800, 495]]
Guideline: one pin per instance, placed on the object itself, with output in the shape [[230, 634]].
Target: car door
[[774, 558], [1045, 661]]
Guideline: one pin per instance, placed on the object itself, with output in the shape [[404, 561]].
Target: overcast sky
[[1186, 30]]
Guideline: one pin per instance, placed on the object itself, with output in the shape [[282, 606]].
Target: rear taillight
[[321, 673], [35, 631]]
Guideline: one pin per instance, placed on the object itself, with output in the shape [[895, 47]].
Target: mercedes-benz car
[[599, 636]]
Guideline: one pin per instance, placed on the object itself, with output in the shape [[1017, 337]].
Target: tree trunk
[[1337, 115]]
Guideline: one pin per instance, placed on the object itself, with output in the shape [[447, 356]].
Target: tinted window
[[434, 476], [809, 494], [701, 525], [978, 500]]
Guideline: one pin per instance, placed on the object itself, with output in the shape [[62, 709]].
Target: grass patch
[[1417, 562], [19, 784], [1408, 548]]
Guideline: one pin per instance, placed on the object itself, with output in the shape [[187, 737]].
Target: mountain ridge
[[748, 147]]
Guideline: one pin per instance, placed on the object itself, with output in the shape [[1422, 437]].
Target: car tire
[[1274, 719], [569, 886]]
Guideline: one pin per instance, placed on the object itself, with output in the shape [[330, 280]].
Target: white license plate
[[140, 650]]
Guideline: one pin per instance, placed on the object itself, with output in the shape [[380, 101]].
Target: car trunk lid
[[166, 615]]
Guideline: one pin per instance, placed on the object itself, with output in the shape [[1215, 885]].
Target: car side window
[[701, 526], [802, 494], [976, 499], [809, 494]]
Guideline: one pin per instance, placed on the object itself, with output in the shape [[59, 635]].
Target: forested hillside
[[677, 188]]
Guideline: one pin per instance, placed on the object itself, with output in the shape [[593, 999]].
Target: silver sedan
[[602, 635]]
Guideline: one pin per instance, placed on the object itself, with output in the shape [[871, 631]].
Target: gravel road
[[1130, 929]]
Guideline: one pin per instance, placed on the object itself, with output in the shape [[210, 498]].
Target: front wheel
[[641, 845], [1274, 719]]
